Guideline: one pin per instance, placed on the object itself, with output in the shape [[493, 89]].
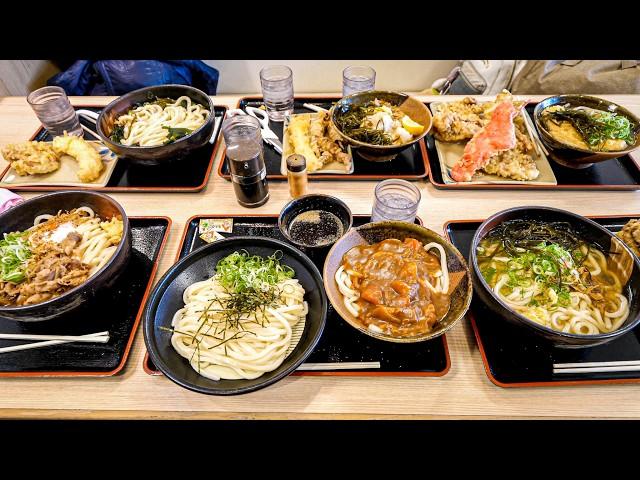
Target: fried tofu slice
[[90, 163], [31, 158]]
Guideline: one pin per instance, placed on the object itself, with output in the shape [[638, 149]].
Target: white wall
[[242, 76]]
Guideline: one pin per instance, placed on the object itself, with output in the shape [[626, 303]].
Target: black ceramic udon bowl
[[199, 265], [22, 216], [591, 232], [161, 154], [574, 157]]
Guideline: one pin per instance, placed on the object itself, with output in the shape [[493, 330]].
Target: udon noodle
[[160, 122], [545, 273], [245, 345], [58, 253]]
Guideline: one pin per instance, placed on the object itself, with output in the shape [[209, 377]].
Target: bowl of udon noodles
[[380, 124], [580, 130], [235, 315], [57, 251], [157, 125], [397, 281], [556, 274]]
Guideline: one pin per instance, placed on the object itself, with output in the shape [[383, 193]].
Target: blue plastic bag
[[117, 77]]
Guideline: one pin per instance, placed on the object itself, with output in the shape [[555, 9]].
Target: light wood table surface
[[465, 392]]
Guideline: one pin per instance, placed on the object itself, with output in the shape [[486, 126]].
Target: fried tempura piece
[[90, 164], [31, 158], [630, 234]]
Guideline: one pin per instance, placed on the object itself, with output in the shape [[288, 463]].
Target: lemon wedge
[[414, 128]]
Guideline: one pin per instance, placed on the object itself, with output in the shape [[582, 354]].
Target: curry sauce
[[391, 277]]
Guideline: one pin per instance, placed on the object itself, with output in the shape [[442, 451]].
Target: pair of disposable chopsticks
[[338, 366], [48, 340], [597, 367], [313, 107]]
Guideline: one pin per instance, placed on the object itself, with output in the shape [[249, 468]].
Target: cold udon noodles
[[58, 253], [548, 273], [398, 288]]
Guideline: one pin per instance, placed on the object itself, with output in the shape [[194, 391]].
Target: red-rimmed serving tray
[[190, 175], [621, 173], [340, 342], [513, 358], [410, 164], [117, 310]]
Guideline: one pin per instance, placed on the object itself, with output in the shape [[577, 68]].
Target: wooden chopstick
[[315, 108], [70, 338], [595, 367], [98, 338], [91, 132], [534, 134], [339, 366]]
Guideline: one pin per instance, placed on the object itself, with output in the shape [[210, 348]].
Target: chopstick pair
[[49, 340], [597, 367]]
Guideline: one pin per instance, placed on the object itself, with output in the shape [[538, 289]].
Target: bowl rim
[[110, 105], [537, 112], [125, 234], [319, 196], [159, 290], [358, 143], [526, 321], [387, 338]]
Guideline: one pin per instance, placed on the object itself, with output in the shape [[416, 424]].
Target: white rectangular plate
[[450, 152], [66, 175]]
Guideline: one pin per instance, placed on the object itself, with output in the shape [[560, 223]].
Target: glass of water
[[277, 91], [52, 107], [395, 200], [358, 78]]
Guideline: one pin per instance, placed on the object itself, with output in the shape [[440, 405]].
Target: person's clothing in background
[[117, 77]]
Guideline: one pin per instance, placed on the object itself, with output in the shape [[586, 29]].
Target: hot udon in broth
[[548, 273]]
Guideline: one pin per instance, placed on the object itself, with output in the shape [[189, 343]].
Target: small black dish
[[321, 202], [166, 299], [22, 216], [591, 232], [160, 154]]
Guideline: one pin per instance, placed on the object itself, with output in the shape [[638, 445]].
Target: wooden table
[[465, 392]]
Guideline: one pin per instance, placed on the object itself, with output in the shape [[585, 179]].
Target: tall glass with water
[[55, 112], [358, 78], [395, 200], [243, 139], [277, 91]]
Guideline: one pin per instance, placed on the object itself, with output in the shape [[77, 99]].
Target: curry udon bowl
[[161, 154], [590, 232], [570, 155], [22, 216], [460, 290], [413, 107]]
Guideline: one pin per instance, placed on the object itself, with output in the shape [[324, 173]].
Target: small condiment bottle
[[297, 175]]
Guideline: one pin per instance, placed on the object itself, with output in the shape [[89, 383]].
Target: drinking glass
[[358, 78], [395, 200], [52, 107], [277, 91], [243, 138]]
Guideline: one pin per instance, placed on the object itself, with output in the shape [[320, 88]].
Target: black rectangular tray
[[513, 358], [190, 175], [117, 310], [410, 164], [340, 342], [618, 174]]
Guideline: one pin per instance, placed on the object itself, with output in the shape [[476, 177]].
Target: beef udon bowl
[[57, 251], [557, 274]]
